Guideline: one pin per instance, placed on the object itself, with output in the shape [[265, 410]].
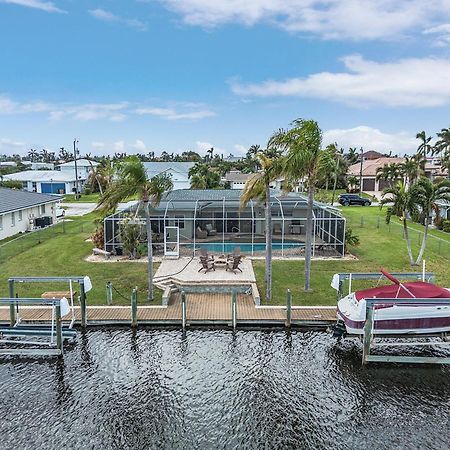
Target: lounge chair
[[204, 254], [201, 234], [207, 265], [276, 228], [236, 253], [210, 230], [234, 264]]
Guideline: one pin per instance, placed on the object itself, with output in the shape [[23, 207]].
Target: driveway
[[78, 209]]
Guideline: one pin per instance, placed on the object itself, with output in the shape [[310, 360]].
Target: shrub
[[351, 240], [446, 226], [130, 233], [98, 238]]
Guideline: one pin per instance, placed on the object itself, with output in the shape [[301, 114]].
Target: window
[[1, 222], [42, 209], [13, 219], [34, 186], [20, 215]]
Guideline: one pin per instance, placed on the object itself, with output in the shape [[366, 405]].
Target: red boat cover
[[419, 289]]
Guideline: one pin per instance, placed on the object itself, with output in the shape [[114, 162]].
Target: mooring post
[[134, 308], [83, 304], [183, 310], [12, 309], [234, 309], [368, 330], [288, 308], [59, 339], [109, 293]]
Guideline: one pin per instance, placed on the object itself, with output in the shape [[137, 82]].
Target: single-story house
[[84, 167], [178, 172], [39, 165], [236, 179], [22, 211], [47, 181]]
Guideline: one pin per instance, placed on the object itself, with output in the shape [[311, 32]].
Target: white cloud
[[417, 82], [119, 146], [115, 112], [35, 4], [98, 145], [203, 147], [329, 19], [108, 16], [11, 145], [139, 146], [241, 149], [441, 34], [371, 139], [172, 114]]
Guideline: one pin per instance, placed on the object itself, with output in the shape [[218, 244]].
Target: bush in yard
[[351, 240], [98, 238], [446, 226], [130, 233]]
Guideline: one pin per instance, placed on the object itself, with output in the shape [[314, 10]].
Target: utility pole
[[361, 172], [75, 150]]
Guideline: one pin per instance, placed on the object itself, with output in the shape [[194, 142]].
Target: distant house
[[371, 154], [19, 211], [47, 181], [39, 165], [236, 179], [232, 158], [84, 167], [178, 172], [8, 164]]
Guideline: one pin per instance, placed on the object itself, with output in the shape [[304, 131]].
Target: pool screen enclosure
[[188, 220]]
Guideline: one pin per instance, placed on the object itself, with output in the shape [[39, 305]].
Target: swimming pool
[[228, 247]]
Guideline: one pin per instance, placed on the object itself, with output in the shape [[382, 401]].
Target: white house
[[84, 167], [39, 165], [47, 181], [236, 179], [178, 172], [22, 211]]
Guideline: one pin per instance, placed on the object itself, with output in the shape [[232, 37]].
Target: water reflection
[[219, 389]]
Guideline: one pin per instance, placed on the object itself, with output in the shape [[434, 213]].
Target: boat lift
[[371, 340], [34, 340]]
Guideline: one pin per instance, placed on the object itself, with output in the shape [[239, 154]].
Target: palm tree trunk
[[335, 184], [268, 273], [424, 243], [308, 244], [408, 243], [148, 226]]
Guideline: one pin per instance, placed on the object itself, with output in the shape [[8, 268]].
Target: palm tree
[[131, 179], [424, 148], [33, 154], [410, 169], [427, 194], [352, 183], [390, 172], [403, 204], [304, 158], [258, 187]]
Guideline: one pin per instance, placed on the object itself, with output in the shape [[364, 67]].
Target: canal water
[[211, 389]]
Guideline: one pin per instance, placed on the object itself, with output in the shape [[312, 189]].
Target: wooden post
[[134, 308], [83, 305], [289, 308], [59, 339], [109, 295], [183, 310], [12, 306], [368, 329], [234, 309]]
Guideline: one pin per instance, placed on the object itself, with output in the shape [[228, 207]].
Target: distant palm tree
[[304, 158], [131, 179], [352, 183], [403, 204], [390, 172], [427, 195], [424, 148], [257, 187], [33, 155], [411, 169]]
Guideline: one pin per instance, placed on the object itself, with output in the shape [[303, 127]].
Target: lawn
[[84, 198], [379, 247], [58, 252]]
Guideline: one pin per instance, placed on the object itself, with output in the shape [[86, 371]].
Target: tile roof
[[13, 199]]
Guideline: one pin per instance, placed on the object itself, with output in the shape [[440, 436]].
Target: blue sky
[[153, 75]]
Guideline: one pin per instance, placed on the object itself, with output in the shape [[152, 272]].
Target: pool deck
[[205, 309]]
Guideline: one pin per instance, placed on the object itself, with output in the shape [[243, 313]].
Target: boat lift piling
[[134, 321], [288, 308], [183, 310], [234, 309]]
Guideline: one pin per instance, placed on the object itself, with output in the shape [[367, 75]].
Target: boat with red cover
[[412, 317]]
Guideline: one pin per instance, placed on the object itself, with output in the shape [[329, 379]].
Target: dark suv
[[353, 199]]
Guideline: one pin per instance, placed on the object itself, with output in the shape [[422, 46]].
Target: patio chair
[[207, 265], [236, 253], [234, 264], [276, 228], [205, 255], [201, 234], [210, 230]]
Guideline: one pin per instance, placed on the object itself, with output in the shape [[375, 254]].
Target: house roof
[[154, 168], [83, 162], [13, 199], [370, 166], [237, 177], [45, 176], [372, 154]]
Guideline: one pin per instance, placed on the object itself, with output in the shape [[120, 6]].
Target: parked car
[[353, 199], [60, 212]]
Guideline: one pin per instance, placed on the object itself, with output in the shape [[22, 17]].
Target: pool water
[[228, 247], [218, 389]]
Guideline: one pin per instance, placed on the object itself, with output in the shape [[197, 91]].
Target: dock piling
[[134, 308], [183, 310], [109, 294], [12, 310], [368, 333], [288, 308], [83, 304], [234, 309], [59, 338]]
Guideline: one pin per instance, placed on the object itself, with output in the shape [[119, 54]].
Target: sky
[[175, 75]]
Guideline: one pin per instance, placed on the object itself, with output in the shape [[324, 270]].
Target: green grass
[[62, 254], [84, 198], [379, 247]]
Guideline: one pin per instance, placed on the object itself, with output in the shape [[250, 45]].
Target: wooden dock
[[202, 309]]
